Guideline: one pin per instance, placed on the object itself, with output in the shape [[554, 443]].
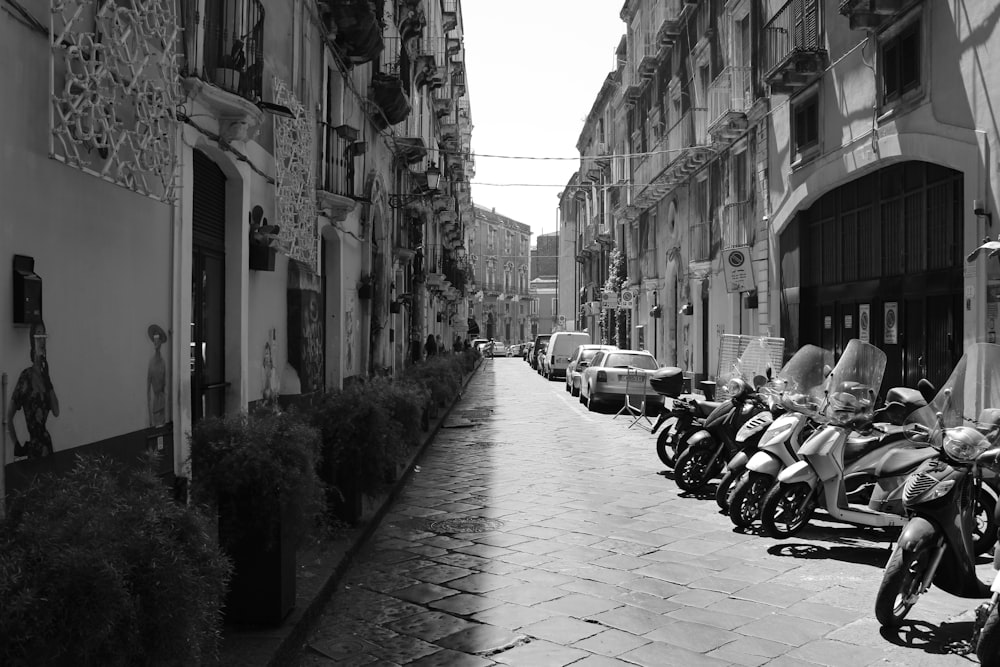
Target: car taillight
[[602, 376]]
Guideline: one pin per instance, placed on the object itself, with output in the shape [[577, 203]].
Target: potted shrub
[[259, 472], [231, 67], [100, 566], [264, 241], [362, 445]]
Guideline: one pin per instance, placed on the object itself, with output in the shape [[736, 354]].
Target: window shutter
[[209, 203]]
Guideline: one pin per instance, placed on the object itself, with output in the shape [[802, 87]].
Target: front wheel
[[725, 485], [694, 468], [748, 495], [787, 509], [984, 534], [988, 648], [664, 445], [900, 585]]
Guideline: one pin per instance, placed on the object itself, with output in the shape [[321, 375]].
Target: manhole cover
[[468, 524]]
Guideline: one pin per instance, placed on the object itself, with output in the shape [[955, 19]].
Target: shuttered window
[[209, 203]]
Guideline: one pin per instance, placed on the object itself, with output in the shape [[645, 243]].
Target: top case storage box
[[668, 381]]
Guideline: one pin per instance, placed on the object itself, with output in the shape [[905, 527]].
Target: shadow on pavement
[[950, 637], [861, 555]]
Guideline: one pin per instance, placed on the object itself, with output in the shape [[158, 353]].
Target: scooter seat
[[859, 445], [705, 408], [902, 460]]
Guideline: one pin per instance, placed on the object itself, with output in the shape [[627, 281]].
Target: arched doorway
[[880, 258]]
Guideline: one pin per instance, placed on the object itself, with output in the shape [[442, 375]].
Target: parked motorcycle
[[794, 397], [819, 478], [709, 449], [986, 631], [681, 417], [946, 494]]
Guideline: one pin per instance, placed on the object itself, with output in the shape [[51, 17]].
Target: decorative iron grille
[[294, 164], [115, 88]]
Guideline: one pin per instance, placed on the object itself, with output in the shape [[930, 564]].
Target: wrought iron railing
[[225, 44], [730, 92], [336, 174], [700, 242], [795, 27], [737, 224]]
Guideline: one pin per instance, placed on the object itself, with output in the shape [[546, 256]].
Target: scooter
[[683, 417], [944, 495], [819, 478], [793, 397], [986, 630], [708, 450]]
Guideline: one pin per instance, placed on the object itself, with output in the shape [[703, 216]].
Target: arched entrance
[[881, 258]]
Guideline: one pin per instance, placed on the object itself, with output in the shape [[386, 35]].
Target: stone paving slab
[[541, 534]]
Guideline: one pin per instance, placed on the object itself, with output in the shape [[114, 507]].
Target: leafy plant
[[257, 461], [101, 567], [261, 233]]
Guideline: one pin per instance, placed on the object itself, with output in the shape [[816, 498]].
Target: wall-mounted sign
[[609, 300], [628, 299], [891, 323], [848, 321], [864, 322], [739, 269], [828, 322]]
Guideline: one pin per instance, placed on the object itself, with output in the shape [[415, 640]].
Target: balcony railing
[[700, 242], [225, 44], [337, 168], [737, 224], [730, 93], [792, 41], [389, 89], [667, 21]]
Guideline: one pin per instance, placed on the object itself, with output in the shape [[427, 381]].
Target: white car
[[578, 361], [606, 379]]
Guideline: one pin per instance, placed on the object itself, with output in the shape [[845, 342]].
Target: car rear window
[[589, 354], [618, 360]]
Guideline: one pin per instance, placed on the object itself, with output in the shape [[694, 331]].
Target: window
[[805, 127], [901, 62]]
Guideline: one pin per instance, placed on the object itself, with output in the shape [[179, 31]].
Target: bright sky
[[534, 68]]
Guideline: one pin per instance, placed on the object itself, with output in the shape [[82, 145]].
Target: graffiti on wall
[[270, 381], [305, 326], [156, 378], [349, 337], [35, 397]]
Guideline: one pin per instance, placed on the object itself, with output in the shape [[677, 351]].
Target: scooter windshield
[[853, 386], [754, 366], [970, 396], [799, 385]]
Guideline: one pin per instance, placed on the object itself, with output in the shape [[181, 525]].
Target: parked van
[[561, 347]]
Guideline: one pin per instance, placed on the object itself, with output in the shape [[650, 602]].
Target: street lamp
[[433, 181]]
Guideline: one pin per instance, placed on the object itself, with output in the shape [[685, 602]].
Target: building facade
[[272, 203], [500, 306]]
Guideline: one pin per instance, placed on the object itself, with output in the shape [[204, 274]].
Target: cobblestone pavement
[[537, 533]]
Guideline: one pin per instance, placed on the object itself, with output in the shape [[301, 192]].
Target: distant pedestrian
[[430, 347], [467, 345], [440, 345], [456, 346]]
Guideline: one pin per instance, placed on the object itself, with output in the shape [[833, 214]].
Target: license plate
[[623, 378], [996, 584]]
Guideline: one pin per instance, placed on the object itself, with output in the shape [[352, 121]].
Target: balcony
[[388, 88], [671, 162], [870, 14], [729, 99], [737, 224], [631, 84], [647, 56], [337, 168], [793, 47], [359, 35], [449, 15], [699, 244], [224, 45], [667, 21]]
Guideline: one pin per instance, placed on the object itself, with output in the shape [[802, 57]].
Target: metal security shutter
[[209, 203]]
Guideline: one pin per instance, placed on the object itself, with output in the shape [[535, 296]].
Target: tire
[[900, 584], [575, 391], [985, 530], [694, 468], [582, 400], [988, 648], [591, 403], [787, 509], [725, 485], [670, 442], [748, 496]]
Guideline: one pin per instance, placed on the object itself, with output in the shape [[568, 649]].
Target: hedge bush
[[101, 567]]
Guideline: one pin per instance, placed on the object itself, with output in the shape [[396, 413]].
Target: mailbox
[[27, 291]]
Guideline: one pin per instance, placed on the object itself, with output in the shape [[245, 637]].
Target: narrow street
[[536, 533]]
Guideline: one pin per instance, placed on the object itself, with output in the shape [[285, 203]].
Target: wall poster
[[891, 323], [864, 322]]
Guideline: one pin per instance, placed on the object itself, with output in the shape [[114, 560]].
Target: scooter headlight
[[964, 443], [737, 387], [940, 489]]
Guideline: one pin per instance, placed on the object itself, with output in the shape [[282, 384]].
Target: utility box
[[27, 291]]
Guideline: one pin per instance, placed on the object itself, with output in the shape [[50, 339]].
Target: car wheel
[[575, 391], [592, 404], [583, 400]]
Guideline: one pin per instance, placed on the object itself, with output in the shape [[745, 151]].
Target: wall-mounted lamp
[[433, 181], [687, 308], [275, 109], [979, 210]]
